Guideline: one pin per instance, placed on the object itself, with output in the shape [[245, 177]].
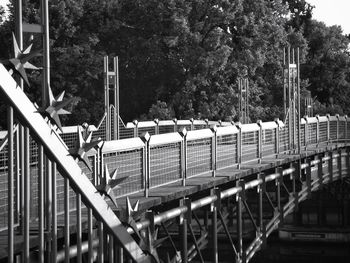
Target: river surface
[[288, 252]]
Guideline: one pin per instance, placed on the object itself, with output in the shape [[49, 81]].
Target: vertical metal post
[[146, 163], [306, 131], [214, 207], [106, 84], [46, 47], [41, 202], [320, 170], [296, 178], [279, 180], [10, 185], [100, 255], [298, 88], [308, 176], [54, 213], [240, 101], [192, 124], [156, 128], [90, 237], [317, 130], [66, 220], [284, 84], [277, 139], [183, 232], [48, 207], [260, 222], [214, 151], [247, 97], [239, 145], [346, 128], [339, 164], [260, 143], [239, 221], [289, 103], [183, 133], [328, 129], [116, 99], [293, 101], [26, 196], [136, 129], [330, 166], [175, 124]]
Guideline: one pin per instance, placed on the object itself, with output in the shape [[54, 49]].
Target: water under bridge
[[165, 192]]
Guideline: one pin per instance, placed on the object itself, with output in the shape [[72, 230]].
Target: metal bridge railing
[[169, 158], [42, 179]]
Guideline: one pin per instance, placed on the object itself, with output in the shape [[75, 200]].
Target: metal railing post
[[306, 132], [136, 128], [156, 128], [183, 157], [10, 186], [239, 144], [277, 139], [328, 129], [337, 116], [175, 124], [146, 163], [318, 129], [214, 150], [192, 124], [260, 143], [346, 128]]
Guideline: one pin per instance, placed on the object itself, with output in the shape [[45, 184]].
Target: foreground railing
[[52, 159]]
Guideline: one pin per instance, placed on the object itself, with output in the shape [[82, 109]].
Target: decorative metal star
[[109, 183], [55, 108], [83, 146], [20, 60], [150, 243], [175, 259]]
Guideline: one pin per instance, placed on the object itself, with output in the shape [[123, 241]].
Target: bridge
[[177, 186], [153, 191]]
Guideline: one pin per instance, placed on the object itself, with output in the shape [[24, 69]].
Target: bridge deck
[[175, 191]]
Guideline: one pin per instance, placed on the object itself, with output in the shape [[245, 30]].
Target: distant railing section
[[160, 159]]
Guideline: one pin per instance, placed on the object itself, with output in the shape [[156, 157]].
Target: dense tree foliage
[[183, 58]]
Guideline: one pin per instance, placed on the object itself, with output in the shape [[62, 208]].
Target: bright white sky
[[332, 12]]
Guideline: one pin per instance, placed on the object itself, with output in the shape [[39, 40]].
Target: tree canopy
[[183, 58]]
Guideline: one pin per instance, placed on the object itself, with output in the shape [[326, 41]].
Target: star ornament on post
[[150, 244], [83, 147], [109, 183], [130, 212], [55, 108], [20, 61]]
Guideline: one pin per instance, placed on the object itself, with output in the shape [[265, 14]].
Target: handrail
[[66, 164]]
